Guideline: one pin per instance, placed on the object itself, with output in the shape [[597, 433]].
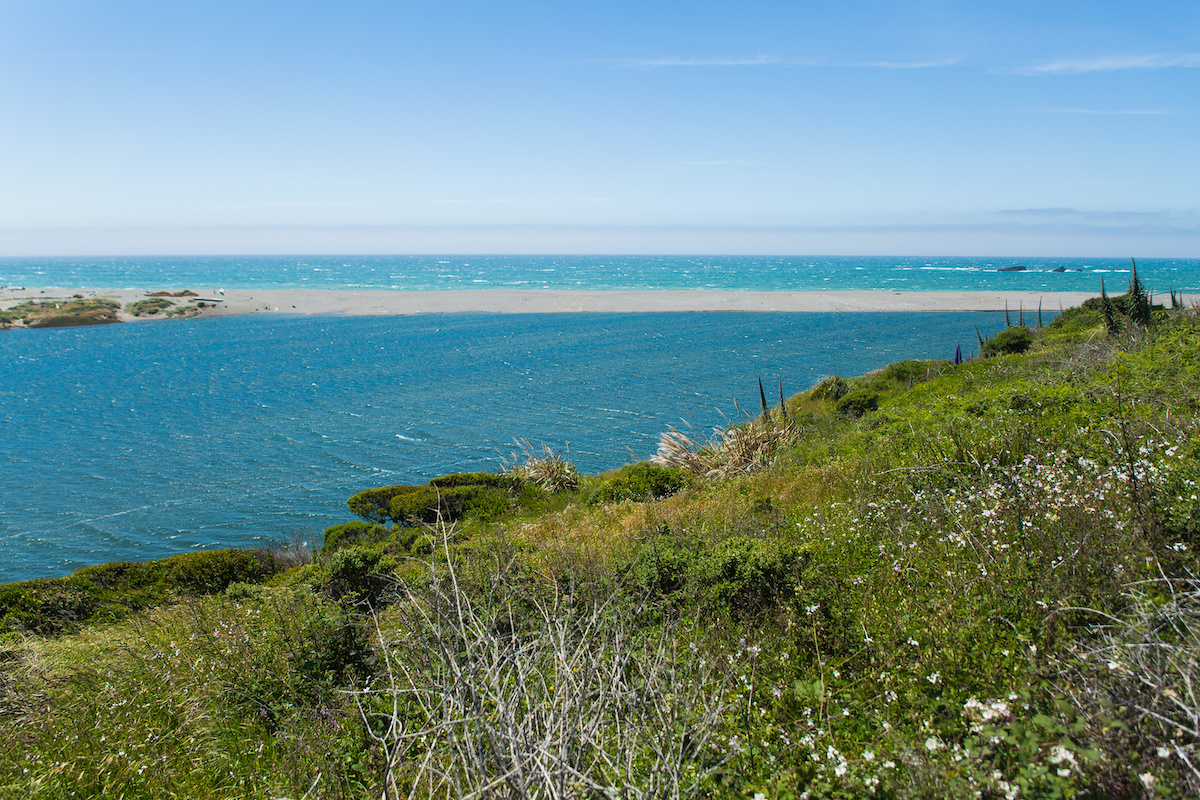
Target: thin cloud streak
[[944, 62], [717, 163], [96, 54], [1153, 112], [767, 61], [651, 63], [1079, 66]]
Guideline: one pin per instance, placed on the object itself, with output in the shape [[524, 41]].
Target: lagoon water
[[137, 441]]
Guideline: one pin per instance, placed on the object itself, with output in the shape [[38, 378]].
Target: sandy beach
[[220, 302]]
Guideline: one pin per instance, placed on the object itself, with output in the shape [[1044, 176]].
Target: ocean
[[138, 441], [731, 273]]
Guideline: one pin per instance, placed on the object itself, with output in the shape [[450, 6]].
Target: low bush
[[856, 403], [358, 574], [150, 307], [211, 571], [744, 575], [1009, 341], [905, 373], [376, 504], [50, 606], [833, 388], [506, 482], [639, 482], [349, 533], [465, 495]]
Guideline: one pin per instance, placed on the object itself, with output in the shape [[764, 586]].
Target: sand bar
[[540, 301]]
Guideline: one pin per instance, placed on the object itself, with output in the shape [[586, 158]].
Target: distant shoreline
[[382, 302]]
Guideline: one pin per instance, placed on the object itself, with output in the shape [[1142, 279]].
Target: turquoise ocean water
[[766, 273], [137, 441]]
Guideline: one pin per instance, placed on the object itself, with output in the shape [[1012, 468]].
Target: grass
[[982, 586]]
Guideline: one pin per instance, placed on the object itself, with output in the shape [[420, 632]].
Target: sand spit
[[221, 302]]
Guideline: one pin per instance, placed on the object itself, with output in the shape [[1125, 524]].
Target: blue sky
[[932, 128]]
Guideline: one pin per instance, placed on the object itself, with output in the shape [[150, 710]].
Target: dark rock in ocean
[[1059, 269], [1012, 269]]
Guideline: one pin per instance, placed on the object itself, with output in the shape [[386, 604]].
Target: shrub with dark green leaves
[[1011, 340], [376, 504], [465, 495], [905, 372], [211, 571], [359, 574], [505, 482], [49, 606], [355, 532], [857, 403], [640, 482], [431, 504], [746, 575], [832, 388]]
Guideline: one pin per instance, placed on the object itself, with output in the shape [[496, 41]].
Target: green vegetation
[[60, 313], [157, 303], [979, 582], [1009, 341], [149, 307], [113, 591]]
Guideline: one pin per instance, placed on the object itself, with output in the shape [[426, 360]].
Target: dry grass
[[500, 690], [735, 450], [547, 469], [1144, 666]]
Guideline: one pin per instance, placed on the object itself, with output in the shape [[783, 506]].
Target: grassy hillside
[[937, 580]]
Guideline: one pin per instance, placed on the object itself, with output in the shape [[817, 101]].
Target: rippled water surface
[[765, 273], [137, 441]]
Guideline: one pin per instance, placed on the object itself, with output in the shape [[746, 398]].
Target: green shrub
[[746, 575], [1011, 340], [149, 308], [832, 388], [211, 571], [430, 504], [662, 567], [1075, 321], [506, 482], [359, 574], [905, 372], [474, 495], [47, 606], [857, 403], [640, 482], [376, 504], [355, 532]]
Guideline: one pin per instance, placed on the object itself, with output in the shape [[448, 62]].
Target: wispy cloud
[[944, 62], [1123, 112], [96, 54], [456, 201], [1078, 66], [718, 163], [720, 61], [284, 205], [766, 61]]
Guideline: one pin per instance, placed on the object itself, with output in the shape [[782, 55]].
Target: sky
[[817, 128]]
